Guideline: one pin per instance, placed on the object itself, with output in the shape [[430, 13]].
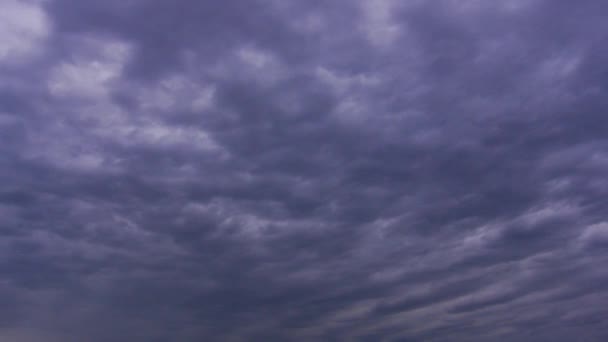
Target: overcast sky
[[276, 170]]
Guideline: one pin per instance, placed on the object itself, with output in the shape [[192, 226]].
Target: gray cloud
[[282, 171]]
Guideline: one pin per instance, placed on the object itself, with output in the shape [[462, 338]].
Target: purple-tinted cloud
[[303, 171]]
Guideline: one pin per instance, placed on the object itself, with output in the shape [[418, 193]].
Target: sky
[[281, 170]]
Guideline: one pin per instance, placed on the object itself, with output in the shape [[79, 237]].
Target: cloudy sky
[[276, 170]]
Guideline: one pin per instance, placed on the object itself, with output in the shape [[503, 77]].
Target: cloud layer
[[303, 171]]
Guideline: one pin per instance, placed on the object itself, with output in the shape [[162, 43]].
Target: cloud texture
[[372, 170]]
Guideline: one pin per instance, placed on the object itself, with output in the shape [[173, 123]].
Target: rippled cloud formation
[[365, 170]]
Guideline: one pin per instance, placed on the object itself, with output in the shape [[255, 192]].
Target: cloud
[[24, 28], [282, 171]]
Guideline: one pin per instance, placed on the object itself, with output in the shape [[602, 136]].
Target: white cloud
[[99, 62], [378, 24], [175, 93], [23, 27], [595, 234]]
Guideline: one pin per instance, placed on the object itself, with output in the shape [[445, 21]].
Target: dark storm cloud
[[282, 171]]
